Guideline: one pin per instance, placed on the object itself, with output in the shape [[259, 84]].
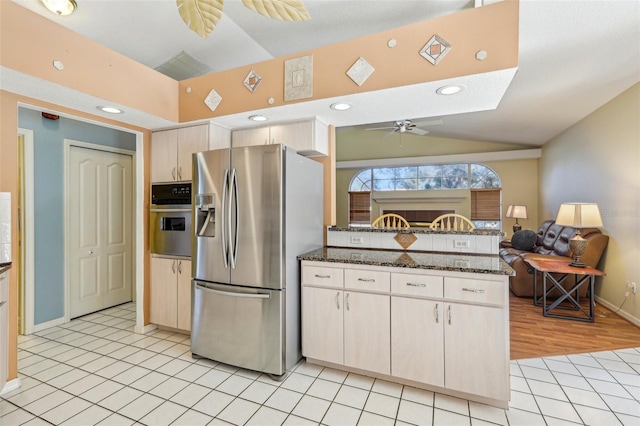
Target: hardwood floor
[[533, 335]]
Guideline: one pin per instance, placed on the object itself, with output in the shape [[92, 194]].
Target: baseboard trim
[[144, 329], [48, 324], [11, 385], [633, 320]]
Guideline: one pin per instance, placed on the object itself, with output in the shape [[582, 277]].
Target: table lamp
[[517, 212], [578, 215]]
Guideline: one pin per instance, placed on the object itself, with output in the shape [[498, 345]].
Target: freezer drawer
[[239, 326]]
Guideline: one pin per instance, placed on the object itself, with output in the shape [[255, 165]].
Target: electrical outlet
[[631, 286], [357, 240]]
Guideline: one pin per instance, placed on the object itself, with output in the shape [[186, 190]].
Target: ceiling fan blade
[[381, 128], [390, 133], [419, 132], [425, 123]]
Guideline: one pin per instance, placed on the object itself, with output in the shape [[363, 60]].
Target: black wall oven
[[170, 219]]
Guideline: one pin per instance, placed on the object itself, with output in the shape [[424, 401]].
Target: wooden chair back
[[390, 220], [452, 222]]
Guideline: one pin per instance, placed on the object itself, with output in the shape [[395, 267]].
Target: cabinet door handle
[[367, 280], [472, 290], [435, 314], [173, 173], [416, 285], [348, 302], [338, 300], [322, 276], [449, 314], [180, 266], [173, 266], [180, 173]]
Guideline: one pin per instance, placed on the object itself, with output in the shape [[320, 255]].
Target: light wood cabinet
[[441, 330], [4, 327], [417, 340], [344, 326], [171, 152], [170, 292], [323, 324], [476, 351], [307, 137], [367, 331]]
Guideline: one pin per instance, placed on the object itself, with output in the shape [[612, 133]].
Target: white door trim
[[27, 225], [139, 210], [68, 143]]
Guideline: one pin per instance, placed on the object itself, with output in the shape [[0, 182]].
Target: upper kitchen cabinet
[[307, 137], [171, 150]]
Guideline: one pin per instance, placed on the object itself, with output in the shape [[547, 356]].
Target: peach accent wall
[[9, 103], [30, 43], [493, 28]]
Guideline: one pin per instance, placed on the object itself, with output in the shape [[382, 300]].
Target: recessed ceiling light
[[258, 117], [340, 106], [110, 110], [449, 90]]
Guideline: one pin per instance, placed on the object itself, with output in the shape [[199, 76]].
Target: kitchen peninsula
[[433, 319]]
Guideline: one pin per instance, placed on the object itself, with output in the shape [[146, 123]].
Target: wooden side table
[[583, 276]]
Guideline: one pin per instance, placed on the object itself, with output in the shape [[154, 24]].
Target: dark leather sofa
[[552, 241]]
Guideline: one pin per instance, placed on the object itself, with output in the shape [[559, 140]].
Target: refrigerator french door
[[255, 209]]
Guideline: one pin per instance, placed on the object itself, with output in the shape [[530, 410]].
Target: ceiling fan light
[[60, 7], [449, 90]]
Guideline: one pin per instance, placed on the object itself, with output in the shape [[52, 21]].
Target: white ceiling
[[574, 57]]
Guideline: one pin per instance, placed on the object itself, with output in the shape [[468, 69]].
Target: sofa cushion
[[524, 240]]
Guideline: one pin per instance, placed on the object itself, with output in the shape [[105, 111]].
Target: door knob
[[90, 251]]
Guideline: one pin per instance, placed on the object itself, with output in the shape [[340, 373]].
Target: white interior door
[[100, 212]]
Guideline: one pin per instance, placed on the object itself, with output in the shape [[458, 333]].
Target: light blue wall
[[49, 138]]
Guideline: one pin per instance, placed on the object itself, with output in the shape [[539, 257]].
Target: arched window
[[483, 182]]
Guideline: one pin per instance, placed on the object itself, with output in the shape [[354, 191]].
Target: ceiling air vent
[[183, 66]]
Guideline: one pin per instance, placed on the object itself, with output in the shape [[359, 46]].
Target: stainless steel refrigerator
[[255, 210]]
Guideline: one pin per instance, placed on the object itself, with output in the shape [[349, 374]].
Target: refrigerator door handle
[[233, 200], [225, 252], [233, 294]]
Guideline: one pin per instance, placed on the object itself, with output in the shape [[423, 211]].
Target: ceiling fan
[[408, 126]]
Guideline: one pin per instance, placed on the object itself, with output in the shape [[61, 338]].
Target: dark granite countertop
[[416, 230], [4, 267], [473, 263]]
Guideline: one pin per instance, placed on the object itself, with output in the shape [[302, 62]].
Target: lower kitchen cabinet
[[171, 292], [323, 324], [477, 358], [440, 330], [367, 331], [417, 340]]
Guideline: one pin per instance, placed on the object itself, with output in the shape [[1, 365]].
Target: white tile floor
[[95, 370]]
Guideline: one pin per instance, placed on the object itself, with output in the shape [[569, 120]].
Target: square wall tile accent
[[360, 71], [5, 227], [435, 49]]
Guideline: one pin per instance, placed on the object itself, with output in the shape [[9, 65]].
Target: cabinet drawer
[[326, 277], [358, 279], [470, 290], [416, 285]]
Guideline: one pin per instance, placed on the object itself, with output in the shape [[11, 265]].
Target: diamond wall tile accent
[[435, 49], [212, 100], [405, 240], [252, 81], [360, 71]]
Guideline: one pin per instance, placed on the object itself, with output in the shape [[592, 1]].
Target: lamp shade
[[579, 215], [518, 212]]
